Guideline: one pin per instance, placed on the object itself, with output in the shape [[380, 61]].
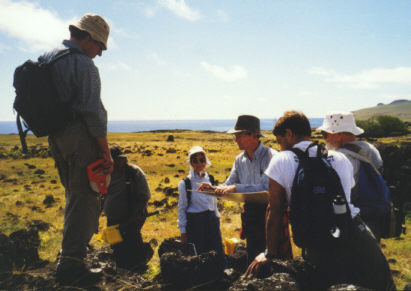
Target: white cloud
[[154, 57], [367, 79], [37, 28], [222, 15], [181, 9], [149, 11], [235, 73]]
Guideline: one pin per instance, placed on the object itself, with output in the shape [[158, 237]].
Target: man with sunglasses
[[82, 141], [247, 175]]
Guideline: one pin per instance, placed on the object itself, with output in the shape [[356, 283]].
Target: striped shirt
[[78, 81], [248, 175]]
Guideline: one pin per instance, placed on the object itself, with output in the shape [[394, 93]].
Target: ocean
[[10, 127]]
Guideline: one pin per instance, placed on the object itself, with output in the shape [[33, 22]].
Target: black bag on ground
[[37, 99], [316, 185]]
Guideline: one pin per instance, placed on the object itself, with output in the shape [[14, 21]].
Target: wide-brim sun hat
[[340, 121], [96, 26], [247, 123], [196, 150]]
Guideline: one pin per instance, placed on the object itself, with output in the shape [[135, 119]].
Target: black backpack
[[37, 99], [316, 185], [188, 187]]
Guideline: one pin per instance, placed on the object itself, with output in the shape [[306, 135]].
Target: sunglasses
[[99, 44], [240, 135], [200, 160]]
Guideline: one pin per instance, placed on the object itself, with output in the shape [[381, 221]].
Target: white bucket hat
[[340, 121], [96, 26], [195, 150]]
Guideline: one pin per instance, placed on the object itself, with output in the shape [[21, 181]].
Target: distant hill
[[399, 108]]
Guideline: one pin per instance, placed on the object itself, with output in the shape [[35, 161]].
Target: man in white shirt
[[358, 260]]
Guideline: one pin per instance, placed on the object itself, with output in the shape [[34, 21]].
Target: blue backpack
[[371, 193]]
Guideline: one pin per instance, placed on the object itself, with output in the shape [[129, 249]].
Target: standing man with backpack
[[81, 141], [370, 193], [317, 186]]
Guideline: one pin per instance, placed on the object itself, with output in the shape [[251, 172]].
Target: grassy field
[[25, 181]]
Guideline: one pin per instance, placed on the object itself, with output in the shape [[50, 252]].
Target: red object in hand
[[97, 177]]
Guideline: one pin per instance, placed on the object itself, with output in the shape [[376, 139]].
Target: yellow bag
[[229, 245], [112, 235]]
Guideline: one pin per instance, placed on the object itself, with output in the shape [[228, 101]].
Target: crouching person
[[125, 204], [328, 227], [198, 216]]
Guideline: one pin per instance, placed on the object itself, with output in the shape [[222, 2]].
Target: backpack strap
[[356, 152], [212, 180], [129, 180], [188, 189]]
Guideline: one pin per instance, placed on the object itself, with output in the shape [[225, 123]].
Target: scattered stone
[[176, 175], [53, 181], [392, 261], [147, 153], [166, 180], [171, 151], [171, 165], [39, 172], [181, 171], [49, 201], [159, 189], [19, 203], [30, 166], [170, 138], [347, 287], [278, 281], [26, 243], [38, 225], [190, 271]]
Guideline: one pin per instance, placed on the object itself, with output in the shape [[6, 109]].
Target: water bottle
[[339, 205], [340, 209]]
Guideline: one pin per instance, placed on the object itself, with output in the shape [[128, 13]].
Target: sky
[[217, 59]]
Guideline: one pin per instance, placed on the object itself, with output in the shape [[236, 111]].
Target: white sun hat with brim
[[196, 150], [96, 26], [340, 121]]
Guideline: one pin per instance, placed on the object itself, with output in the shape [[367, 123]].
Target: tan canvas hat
[[340, 121], [96, 26]]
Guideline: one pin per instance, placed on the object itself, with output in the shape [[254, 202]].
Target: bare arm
[[275, 211], [273, 224]]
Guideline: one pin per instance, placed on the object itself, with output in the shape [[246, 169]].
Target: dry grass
[[22, 191]]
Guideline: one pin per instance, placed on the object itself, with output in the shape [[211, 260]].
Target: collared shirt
[[248, 175], [199, 202], [283, 166], [78, 81]]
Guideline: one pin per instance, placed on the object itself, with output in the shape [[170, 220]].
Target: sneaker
[[75, 273]]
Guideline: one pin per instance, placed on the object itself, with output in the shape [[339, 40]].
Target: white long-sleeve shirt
[[199, 202]]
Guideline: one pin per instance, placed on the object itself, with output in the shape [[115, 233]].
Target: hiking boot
[[75, 273]]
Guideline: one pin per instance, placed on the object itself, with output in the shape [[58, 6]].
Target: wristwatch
[[268, 255]]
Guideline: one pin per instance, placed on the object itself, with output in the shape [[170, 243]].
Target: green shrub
[[382, 125]]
